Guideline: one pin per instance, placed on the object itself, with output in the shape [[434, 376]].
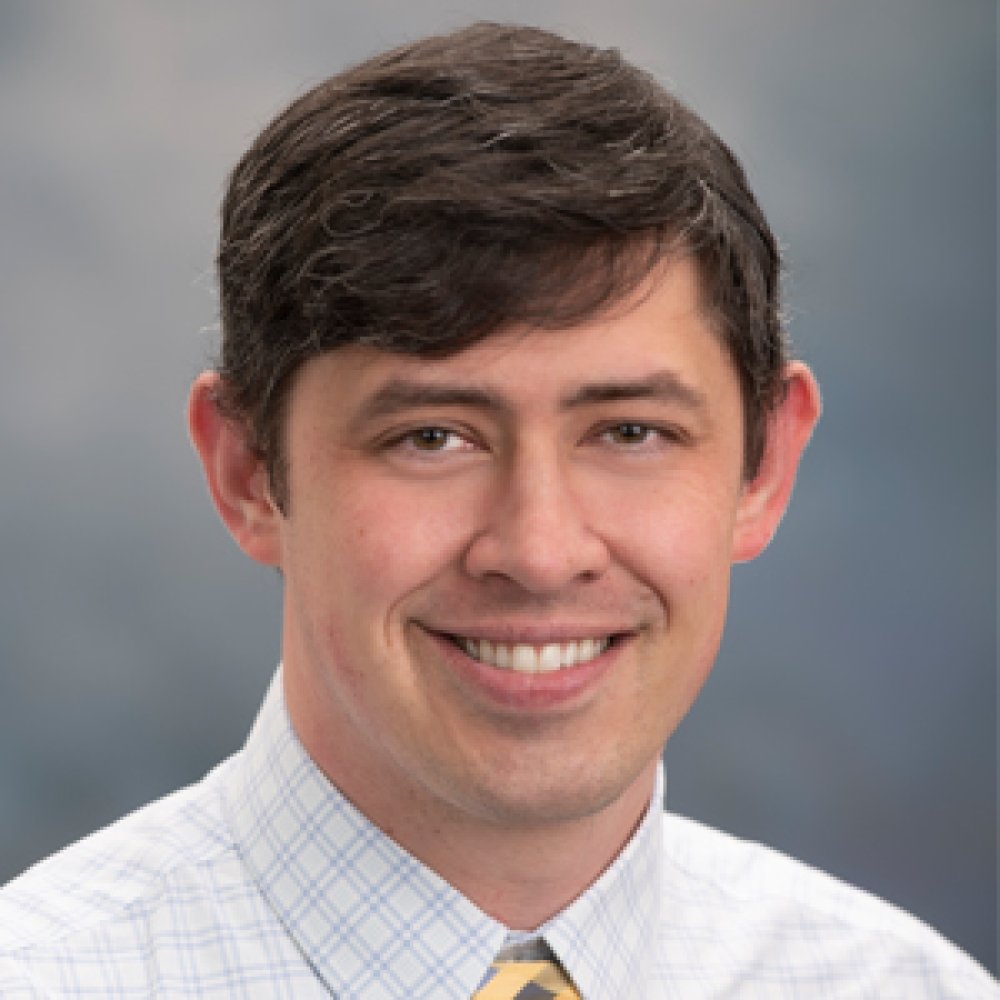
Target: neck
[[520, 872], [524, 875]]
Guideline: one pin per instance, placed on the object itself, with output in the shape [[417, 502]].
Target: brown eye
[[630, 433], [430, 438]]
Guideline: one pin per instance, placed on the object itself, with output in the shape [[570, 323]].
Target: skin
[[538, 486]]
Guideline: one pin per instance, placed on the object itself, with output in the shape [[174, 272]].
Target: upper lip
[[530, 634]]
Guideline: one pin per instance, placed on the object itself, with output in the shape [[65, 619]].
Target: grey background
[[852, 717]]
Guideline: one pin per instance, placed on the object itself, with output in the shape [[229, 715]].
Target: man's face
[[506, 572]]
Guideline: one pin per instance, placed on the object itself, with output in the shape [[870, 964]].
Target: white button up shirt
[[263, 881]]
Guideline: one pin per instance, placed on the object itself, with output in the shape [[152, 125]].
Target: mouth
[[532, 658]]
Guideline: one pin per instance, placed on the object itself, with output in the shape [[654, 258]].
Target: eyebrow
[[661, 386], [399, 395]]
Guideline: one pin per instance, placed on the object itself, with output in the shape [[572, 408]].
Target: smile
[[523, 658]]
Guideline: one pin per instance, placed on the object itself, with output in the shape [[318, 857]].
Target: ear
[[236, 476], [766, 496]]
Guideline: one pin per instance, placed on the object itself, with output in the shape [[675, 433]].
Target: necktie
[[516, 980]]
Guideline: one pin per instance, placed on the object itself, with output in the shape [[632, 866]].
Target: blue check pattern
[[263, 881]]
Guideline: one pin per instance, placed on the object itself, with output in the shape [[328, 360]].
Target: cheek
[[389, 541], [674, 535]]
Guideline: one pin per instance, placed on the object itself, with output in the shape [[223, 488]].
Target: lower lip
[[526, 693]]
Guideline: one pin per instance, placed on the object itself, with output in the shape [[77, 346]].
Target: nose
[[536, 532]]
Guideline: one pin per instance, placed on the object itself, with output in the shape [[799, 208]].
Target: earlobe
[[765, 498], [235, 474]]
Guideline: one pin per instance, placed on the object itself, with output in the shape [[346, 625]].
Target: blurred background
[[852, 718]]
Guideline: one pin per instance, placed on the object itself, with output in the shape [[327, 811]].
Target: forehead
[[660, 336]]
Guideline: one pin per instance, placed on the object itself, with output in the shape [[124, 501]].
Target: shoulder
[[103, 896], [750, 908]]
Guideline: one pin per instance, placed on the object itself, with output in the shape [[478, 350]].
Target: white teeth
[[523, 659], [549, 657], [526, 659]]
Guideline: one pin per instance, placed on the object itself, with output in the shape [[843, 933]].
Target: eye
[[630, 433], [432, 439], [638, 437]]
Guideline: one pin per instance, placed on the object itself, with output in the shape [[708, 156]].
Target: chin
[[532, 795]]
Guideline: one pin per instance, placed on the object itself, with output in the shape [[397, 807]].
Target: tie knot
[[531, 980]]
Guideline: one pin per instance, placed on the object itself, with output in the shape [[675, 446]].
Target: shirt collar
[[603, 937], [375, 923]]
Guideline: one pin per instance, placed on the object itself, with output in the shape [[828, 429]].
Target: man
[[503, 394]]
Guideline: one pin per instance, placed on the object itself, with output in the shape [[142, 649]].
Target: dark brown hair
[[496, 175]]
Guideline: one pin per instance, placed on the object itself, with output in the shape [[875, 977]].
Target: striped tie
[[526, 981]]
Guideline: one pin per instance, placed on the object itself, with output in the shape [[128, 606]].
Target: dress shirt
[[263, 881]]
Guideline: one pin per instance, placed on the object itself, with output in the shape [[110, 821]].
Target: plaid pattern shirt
[[262, 881]]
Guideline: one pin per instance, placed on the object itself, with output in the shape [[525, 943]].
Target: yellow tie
[[526, 981]]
